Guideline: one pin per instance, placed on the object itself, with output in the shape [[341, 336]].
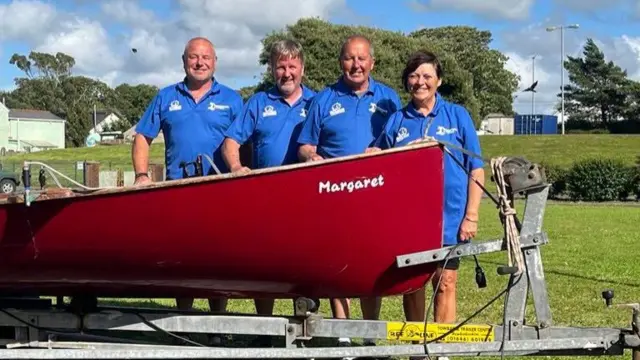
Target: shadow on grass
[[228, 341], [574, 276], [149, 304]]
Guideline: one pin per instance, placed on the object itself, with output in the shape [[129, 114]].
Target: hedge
[[594, 180]]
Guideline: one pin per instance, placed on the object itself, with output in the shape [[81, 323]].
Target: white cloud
[[529, 70], [521, 45], [87, 41], [25, 20], [629, 49], [128, 12], [236, 29], [495, 9]]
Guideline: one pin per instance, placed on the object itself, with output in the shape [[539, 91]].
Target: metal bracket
[[425, 257], [531, 237]]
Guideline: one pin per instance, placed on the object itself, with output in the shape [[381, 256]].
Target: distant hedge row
[[595, 180]]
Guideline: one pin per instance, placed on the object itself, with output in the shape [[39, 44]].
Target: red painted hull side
[[271, 235]]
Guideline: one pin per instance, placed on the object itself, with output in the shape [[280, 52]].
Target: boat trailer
[[33, 331]]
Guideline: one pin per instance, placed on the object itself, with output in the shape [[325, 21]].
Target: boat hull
[[329, 229]]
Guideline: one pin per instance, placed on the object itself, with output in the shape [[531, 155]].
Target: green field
[[591, 248], [559, 150], [553, 149]]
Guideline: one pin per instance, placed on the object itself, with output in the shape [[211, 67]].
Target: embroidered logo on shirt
[[336, 109], [175, 105], [403, 133], [303, 112], [444, 131], [269, 111], [213, 106], [373, 107]]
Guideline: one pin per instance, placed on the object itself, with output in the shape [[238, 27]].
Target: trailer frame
[[44, 332]]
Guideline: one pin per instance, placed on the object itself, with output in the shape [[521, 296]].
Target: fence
[[88, 173]]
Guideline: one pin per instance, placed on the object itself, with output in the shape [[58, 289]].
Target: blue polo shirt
[[191, 128], [447, 122], [273, 126], [341, 123]]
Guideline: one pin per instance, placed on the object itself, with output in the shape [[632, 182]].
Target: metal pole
[[562, 72], [561, 28], [533, 80]]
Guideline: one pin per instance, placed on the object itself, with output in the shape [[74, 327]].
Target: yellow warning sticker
[[414, 331]]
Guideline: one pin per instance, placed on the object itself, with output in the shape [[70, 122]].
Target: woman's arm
[[475, 194]]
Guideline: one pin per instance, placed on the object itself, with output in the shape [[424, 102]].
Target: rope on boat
[[53, 171], [507, 212], [504, 201], [218, 172]]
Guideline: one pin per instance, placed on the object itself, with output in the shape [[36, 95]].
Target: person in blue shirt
[[345, 119], [271, 121], [428, 114], [192, 115]]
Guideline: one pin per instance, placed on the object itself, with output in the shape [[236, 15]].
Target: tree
[[131, 101], [46, 65], [493, 85], [599, 91], [321, 42], [49, 85], [247, 91]]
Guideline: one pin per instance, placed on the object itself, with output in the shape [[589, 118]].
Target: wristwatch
[[141, 174]]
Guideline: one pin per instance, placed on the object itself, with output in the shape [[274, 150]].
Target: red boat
[[326, 229]]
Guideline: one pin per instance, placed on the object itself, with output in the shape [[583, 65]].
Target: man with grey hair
[[271, 121], [345, 119]]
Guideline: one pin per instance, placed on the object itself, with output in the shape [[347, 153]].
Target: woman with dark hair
[[428, 114]]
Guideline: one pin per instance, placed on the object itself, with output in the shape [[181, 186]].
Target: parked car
[[9, 181]]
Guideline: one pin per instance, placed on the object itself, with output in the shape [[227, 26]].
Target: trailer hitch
[[608, 295]]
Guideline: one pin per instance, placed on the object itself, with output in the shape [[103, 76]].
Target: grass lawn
[[591, 248], [553, 149], [563, 150], [559, 150]]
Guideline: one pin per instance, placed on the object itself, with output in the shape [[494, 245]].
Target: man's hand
[[308, 153], [314, 157], [372, 150], [468, 229], [142, 180], [240, 170], [417, 141]]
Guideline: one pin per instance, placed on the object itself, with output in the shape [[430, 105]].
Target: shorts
[[452, 264]]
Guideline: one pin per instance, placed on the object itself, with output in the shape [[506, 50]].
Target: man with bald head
[[345, 119], [193, 115]]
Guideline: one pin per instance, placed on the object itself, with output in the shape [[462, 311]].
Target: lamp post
[[561, 28], [533, 93]]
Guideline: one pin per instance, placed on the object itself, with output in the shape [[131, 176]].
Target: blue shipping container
[[535, 124]]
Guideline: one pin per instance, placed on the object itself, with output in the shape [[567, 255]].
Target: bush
[[557, 178], [599, 180], [631, 185], [636, 180]]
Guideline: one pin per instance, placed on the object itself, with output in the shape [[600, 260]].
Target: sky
[[100, 34]]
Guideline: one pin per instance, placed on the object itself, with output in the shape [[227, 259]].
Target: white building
[[28, 130], [497, 124]]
